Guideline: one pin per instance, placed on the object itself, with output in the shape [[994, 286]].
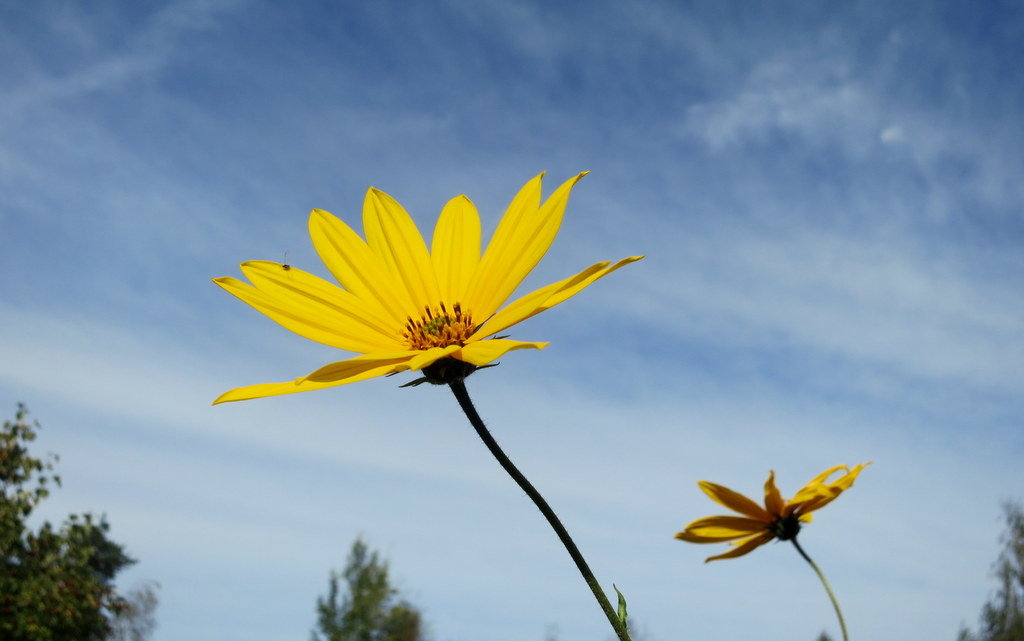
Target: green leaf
[[622, 605]]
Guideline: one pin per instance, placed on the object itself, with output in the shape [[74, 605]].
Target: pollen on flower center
[[439, 327]]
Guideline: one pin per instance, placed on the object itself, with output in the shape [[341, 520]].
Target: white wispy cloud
[[863, 301], [849, 295], [830, 104], [149, 48]]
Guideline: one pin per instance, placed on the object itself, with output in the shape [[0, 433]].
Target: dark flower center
[[439, 327], [785, 528]]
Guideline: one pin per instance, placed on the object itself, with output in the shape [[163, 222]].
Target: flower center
[[439, 327], [785, 527]]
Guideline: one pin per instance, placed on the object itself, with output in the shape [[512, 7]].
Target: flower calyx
[[785, 528]]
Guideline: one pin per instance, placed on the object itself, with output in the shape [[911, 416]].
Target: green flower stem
[[828, 588], [459, 389]]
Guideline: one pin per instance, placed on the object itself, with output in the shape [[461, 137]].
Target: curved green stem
[[459, 389], [828, 588]]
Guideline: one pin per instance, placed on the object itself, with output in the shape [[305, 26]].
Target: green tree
[[56, 584], [1002, 618], [369, 610]]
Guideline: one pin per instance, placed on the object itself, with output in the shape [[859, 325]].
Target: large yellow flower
[[778, 518], [404, 307]]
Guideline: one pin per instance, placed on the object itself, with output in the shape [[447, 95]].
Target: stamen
[[437, 327]]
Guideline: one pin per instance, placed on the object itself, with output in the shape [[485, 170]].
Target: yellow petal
[[483, 352], [812, 487], [847, 480], [358, 369], [341, 370], [314, 297], [393, 236], [820, 482], [327, 329], [735, 501], [713, 529], [519, 246], [455, 250], [827, 492], [523, 206], [547, 297], [772, 498], [432, 355], [743, 547], [356, 267]]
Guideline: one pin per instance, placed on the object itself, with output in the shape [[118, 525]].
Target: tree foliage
[[369, 609], [56, 584], [1002, 618]]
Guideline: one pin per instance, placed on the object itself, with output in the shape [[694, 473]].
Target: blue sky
[[830, 201]]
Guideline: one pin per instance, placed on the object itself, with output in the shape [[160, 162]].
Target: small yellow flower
[[778, 519], [404, 307]]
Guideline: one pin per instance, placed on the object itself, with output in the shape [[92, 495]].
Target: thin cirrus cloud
[[829, 202]]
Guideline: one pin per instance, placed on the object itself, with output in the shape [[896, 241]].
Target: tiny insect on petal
[[404, 306]]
